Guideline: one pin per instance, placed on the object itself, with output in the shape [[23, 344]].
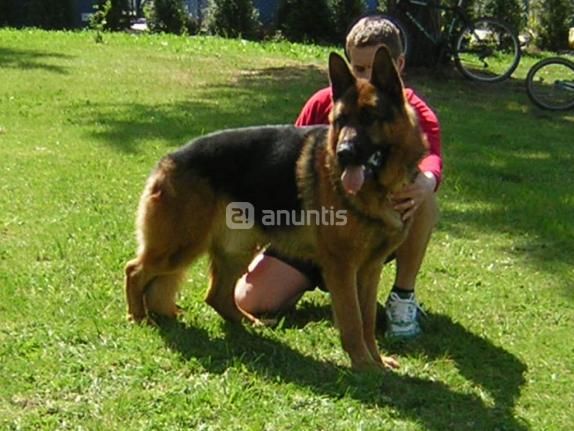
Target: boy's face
[[362, 60]]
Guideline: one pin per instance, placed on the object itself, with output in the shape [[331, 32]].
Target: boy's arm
[[431, 165], [316, 109]]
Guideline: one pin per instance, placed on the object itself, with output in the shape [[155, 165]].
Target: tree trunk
[[422, 52]]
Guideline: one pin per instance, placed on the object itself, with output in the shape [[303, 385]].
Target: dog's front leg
[[341, 280], [368, 282]]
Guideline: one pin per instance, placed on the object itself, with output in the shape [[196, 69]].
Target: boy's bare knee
[[244, 296], [270, 286]]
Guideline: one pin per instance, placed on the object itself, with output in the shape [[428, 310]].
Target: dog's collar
[[374, 163], [371, 167]]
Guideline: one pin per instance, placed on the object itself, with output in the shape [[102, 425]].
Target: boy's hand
[[412, 196]]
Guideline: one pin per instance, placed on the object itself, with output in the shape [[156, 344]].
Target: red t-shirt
[[318, 107]]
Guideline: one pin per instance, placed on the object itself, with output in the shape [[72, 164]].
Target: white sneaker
[[402, 317]]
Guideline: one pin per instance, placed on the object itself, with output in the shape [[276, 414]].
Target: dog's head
[[374, 132]]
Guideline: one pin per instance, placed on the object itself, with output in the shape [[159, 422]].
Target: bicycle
[[550, 84], [485, 49]]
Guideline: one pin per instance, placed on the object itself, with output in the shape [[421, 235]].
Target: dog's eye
[[368, 117], [341, 120]]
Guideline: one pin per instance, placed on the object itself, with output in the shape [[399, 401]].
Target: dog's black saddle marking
[[253, 164]]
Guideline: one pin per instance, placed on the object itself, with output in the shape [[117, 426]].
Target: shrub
[[555, 19], [512, 12], [232, 18], [118, 17], [169, 16], [111, 15], [305, 20], [48, 14], [344, 13], [8, 13]]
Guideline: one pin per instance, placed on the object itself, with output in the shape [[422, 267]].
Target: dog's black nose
[[346, 153]]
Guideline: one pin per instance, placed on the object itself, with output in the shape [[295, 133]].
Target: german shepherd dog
[[370, 150]]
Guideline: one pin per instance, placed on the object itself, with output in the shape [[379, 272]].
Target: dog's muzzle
[[347, 153]]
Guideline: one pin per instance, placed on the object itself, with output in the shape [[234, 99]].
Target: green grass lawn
[[82, 124]]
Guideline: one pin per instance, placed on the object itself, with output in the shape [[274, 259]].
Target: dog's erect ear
[[340, 76], [385, 76]]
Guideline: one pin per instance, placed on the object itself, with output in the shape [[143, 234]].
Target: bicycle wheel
[[487, 51], [550, 84]]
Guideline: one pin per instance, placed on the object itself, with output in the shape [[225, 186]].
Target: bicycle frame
[[484, 49], [566, 85], [459, 16]]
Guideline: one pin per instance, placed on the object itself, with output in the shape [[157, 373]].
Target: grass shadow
[[254, 97], [27, 59], [414, 398], [490, 367], [304, 314]]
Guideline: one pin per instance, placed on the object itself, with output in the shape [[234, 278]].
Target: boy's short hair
[[375, 30]]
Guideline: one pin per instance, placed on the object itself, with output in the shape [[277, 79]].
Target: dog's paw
[[142, 320], [367, 366], [269, 322], [384, 363], [136, 319]]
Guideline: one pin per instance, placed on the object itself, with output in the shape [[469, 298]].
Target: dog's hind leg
[[136, 281], [173, 228], [226, 268], [161, 294], [141, 276], [152, 284], [154, 277]]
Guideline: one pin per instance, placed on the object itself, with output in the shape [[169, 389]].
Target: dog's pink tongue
[[353, 178]]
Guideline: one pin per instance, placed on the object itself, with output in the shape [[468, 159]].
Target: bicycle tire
[[550, 84], [487, 40]]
